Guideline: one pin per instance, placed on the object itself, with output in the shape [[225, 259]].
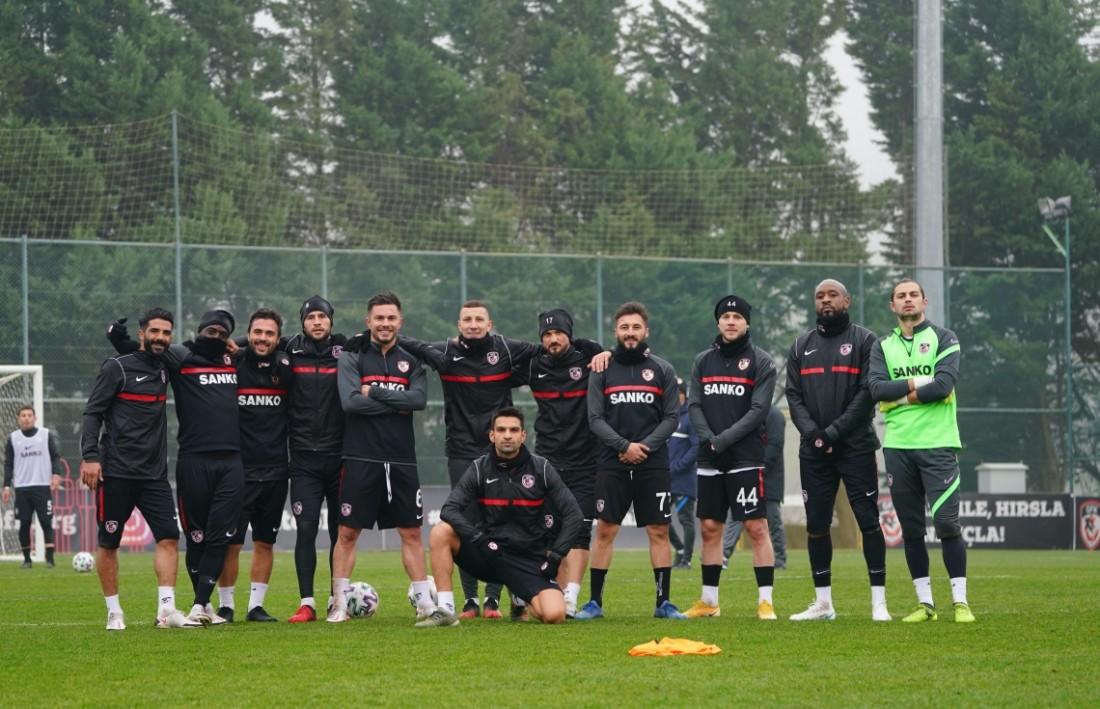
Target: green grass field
[[1035, 643]]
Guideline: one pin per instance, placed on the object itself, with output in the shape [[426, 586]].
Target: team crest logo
[[924, 347], [805, 497], [345, 509], [296, 508], [575, 373], [285, 361], [647, 374], [337, 350], [528, 481], [226, 359], [549, 519], [274, 379], [891, 526], [846, 349], [599, 505], [889, 479], [402, 366], [743, 363], [1088, 524], [196, 536], [493, 357], [111, 526]]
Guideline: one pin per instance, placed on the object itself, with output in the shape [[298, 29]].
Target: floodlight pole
[[1064, 249]]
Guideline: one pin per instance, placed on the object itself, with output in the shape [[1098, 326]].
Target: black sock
[[27, 554], [596, 577], [191, 559], [660, 580], [49, 554], [821, 560], [765, 575], [874, 553], [954, 556], [916, 556], [305, 557], [712, 574]]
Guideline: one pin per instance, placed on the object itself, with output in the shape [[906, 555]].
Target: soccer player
[[831, 407], [476, 373], [732, 383], [633, 409], [558, 378], [913, 373], [127, 466], [380, 387], [264, 378], [33, 465], [507, 540]]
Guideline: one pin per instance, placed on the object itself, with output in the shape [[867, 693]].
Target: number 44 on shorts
[[746, 500]]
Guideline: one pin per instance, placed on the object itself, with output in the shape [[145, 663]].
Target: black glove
[[822, 443], [116, 331], [550, 567], [357, 342], [722, 461]]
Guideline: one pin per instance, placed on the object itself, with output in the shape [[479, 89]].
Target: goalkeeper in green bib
[[913, 375]]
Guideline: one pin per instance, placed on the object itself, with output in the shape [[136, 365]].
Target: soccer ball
[[362, 600], [431, 590], [83, 562]]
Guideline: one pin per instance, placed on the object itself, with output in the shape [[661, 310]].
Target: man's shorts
[[520, 571], [209, 489], [263, 510], [648, 490], [582, 483], [386, 493], [31, 498], [314, 478], [738, 492], [116, 498]]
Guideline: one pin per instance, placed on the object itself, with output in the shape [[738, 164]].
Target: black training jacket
[[263, 397]]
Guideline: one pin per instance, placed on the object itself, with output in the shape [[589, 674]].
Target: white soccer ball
[[431, 590], [83, 562], [362, 600]]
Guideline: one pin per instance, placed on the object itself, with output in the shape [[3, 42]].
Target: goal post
[[20, 385]]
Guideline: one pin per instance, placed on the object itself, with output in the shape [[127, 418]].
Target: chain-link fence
[[62, 294]]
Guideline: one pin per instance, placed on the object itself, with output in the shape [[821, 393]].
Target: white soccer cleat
[[337, 615], [115, 621], [570, 608], [880, 612], [176, 619], [215, 619], [818, 610], [197, 615]]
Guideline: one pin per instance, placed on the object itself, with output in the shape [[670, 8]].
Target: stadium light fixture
[[1053, 210]]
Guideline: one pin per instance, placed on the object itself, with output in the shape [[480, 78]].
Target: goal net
[[20, 384]]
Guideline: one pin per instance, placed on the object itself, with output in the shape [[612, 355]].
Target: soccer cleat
[[963, 613], [818, 610], [667, 610], [879, 612], [27, 565], [115, 622], [176, 619], [924, 612], [471, 609], [305, 614], [492, 609], [589, 611], [765, 610], [199, 617], [570, 608], [439, 618], [215, 619], [702, 609], [337, 615], [259, 615], [227, 613], [682, 565], [49, 564], [518, 613]]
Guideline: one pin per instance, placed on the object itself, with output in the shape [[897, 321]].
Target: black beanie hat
[[555, 319], [315, 302], [217, 317], [732, 303]]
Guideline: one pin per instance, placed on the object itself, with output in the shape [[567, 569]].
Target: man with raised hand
[[732, 383], [831, 407], [633, 409], [124, 461], [506, 539], [381, 386], [913, 373]]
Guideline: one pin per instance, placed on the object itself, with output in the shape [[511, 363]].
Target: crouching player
[[495, 526]]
